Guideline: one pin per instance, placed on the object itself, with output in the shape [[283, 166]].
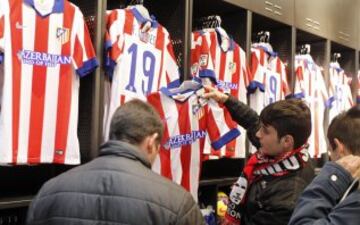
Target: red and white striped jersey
[[339, 90], [141, 58], [47, 48], [310, 86], [222, 60], [188, 119], [268, 82]]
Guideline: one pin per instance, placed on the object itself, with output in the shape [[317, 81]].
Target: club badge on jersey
[[63, 35]]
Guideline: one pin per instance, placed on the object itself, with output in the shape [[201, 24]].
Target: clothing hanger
[[263, 39], [213, 21], [139, 5], [263, 36], [136, 2], [335, 57], [305, 49]]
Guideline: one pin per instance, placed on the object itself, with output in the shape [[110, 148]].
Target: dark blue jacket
[[332, 198]]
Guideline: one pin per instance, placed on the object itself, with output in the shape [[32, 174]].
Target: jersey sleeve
[[172, 69], [221, 130], [257, 71], [2, 31], [114, 39], [202, 65], [349, 97], [299, 78], [281, 69], [322, 86], [83, 55]]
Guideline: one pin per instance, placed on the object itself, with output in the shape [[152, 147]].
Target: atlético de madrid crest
[[63, 34]]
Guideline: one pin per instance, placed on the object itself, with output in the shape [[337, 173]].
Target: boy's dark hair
[[346, 128], [134, 121], [291, 116]]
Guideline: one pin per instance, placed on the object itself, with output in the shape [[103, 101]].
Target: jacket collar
[[57, 8], [123, 149]]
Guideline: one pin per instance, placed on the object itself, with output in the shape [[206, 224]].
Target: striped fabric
[[44, 57], [188, 120], [140, 58]]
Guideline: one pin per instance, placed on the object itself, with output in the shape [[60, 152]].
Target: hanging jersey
[[340, 91], [44, 57], [188, 120], [141, 58], [310, 86], [268, 81], [226, 64]]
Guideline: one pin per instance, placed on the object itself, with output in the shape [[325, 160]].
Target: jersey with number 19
[[46, 49], [140, 56], [268, 82]]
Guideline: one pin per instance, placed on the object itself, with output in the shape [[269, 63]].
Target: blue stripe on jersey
[[206, 73], [255, 85], [232, 134], [87, 67]]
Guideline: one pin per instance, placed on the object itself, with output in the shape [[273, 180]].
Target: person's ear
[[340, 148], [288, 141], [151, 142]]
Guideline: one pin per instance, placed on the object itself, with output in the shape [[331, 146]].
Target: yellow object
[[221, 208]]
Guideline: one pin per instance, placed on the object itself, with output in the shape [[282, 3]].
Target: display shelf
[[15, 202]]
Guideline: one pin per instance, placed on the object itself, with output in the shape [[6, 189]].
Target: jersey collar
[[182, 93], [141, 19], [58, 7], [225, 41], [266, 47]]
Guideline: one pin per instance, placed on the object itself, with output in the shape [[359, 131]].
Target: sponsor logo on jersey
[[227, 85], [42, 58], [184, 139], [63, 35]]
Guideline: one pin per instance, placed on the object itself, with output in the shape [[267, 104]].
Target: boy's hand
[[215, 94]]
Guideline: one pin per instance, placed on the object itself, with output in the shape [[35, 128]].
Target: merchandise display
[[66, 66], [310, 86], [46, 50]]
